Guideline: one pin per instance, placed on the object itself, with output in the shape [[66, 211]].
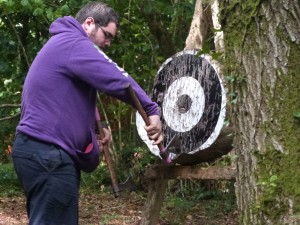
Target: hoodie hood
[[66, 24]]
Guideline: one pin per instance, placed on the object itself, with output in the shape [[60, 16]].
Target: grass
[[213, 206]]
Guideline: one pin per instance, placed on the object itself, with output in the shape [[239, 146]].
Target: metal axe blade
[[173, 144], [172, 147]]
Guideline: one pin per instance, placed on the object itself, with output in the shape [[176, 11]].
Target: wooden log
[[159, 174], [220, 147], [155, 198], [190, 172]]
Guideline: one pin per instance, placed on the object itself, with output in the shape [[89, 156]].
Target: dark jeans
[[50, 181]]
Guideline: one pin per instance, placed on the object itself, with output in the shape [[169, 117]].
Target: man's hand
[[106, 139], [154, 129], [107, 136]]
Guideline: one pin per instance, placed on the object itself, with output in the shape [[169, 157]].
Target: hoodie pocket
[[89, 159]]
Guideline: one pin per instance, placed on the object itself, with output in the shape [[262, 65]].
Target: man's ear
[[88, 25]]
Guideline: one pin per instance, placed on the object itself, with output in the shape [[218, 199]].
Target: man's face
[[101, 36]]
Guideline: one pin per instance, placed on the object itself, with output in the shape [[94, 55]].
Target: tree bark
[[218, 39], [262, 50], [155, 198], [201, 22]]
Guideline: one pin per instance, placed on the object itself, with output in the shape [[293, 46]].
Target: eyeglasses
[[108, 36]]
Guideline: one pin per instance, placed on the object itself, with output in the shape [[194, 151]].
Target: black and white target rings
[[192, 102]]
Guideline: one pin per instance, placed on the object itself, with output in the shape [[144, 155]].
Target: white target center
[[183, 120]]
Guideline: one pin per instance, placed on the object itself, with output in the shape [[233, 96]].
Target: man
[[56, 135]]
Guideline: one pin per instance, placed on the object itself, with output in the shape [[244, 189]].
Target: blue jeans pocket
[[50, 181], [37, 155]]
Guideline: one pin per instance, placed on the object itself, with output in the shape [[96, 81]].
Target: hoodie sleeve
[[88, 63]]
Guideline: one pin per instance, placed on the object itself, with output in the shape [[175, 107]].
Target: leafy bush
[[97, 180], [9, 182], [188, 203]]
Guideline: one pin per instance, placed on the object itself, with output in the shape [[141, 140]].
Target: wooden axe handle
[[163, 153], [108, 159]]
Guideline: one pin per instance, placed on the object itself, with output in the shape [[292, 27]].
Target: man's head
[[100, 22]]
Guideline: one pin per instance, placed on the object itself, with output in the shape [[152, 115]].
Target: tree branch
[[158, 30], [10, 117], [10, 105], [19, 40]]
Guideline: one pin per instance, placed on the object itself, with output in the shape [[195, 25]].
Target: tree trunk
[[159, 31], [201, 22], [262, 60]]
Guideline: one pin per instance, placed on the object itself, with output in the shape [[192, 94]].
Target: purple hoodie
[[59, 94]]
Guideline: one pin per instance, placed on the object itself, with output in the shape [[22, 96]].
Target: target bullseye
[[184, 103]]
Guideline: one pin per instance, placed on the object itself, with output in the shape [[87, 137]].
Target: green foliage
[[9, 183], [269, 186], [176, 206], [277, 166], [297, 115], [97, 180], [200, 201], [233, 82], [132, 161], [24, 30], [7, 135]]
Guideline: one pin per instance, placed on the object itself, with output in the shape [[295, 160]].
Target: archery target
[[191, 99]]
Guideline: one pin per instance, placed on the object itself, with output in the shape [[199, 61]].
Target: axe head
[[128, 185], [174, 145]]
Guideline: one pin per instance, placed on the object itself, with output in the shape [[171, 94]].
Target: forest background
[[260, 69], [150, 32]]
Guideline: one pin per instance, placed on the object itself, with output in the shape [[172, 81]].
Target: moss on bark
[[269, 160]]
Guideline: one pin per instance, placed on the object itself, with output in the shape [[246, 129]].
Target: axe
[[108, 159], [165, 155]]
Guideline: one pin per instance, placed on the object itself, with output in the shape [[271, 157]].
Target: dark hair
[[101, 12]]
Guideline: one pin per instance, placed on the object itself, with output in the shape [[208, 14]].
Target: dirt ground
[[104, 209]]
